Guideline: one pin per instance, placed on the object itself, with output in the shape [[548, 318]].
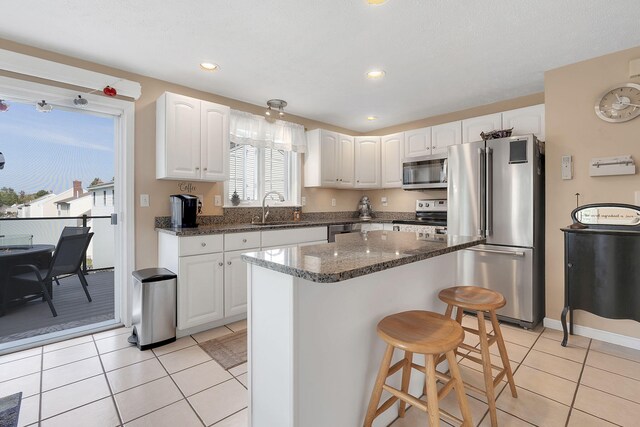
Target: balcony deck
[[34, 318]]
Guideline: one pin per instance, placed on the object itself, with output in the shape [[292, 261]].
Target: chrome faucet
[[264, 199]]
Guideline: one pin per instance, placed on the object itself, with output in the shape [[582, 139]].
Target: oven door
[[424, 172]]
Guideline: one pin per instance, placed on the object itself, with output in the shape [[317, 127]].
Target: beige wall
[[572, 128]]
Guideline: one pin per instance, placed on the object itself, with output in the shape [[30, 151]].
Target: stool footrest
[[499, 377], [397, 394], [386, 405], [396, 367], [477, 360], [451, 417]]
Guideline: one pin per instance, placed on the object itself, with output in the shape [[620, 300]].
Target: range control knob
[[420, 205], [427, 204]]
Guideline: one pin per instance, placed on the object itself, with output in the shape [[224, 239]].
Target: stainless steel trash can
[[153, 308]]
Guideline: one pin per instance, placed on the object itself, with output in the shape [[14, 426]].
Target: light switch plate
[[567, 167], [144, 200], [638, 198], [304, 201], [217, 200], [333, 202]]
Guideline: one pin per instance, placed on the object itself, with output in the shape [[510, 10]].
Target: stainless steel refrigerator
[[496, 189]]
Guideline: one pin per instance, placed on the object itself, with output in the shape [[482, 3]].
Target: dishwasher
[[343, 229]]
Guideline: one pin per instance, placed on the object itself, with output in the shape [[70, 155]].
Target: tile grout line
[[575, 393], [104, 372], [228, 416], [40, 394]]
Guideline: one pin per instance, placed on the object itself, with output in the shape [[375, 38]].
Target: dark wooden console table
[[602, 270]]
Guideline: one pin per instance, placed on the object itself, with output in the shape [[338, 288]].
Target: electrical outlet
[[333, 202], [383, 200], [304, 201], [638, 198], [217, 200], [144, 200]]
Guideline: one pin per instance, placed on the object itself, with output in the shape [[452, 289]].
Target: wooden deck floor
[[34, 318]]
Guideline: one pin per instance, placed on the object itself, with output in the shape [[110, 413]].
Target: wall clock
[[619, 104]]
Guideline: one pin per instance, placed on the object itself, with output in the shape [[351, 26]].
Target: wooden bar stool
[[427, 333], [481, 300]]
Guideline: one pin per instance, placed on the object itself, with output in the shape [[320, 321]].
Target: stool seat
[[472, 298], [421, 332]]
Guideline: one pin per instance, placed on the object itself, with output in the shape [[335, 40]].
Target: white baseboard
[[598, 334]]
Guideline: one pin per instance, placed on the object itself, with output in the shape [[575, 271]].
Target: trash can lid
[[153, 274]]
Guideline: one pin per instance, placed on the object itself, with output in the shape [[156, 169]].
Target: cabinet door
[[471, 128], [367, 161], [181, 143], [392, 147], [417, 142], [345, 152], [445, 135], [235, 284], [200, 290], [214, 129], [328, 164], [525, 120]]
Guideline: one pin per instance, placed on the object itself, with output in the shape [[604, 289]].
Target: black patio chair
[[67, 259], [72, 231]]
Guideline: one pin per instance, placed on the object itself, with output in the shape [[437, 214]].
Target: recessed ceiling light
[[209, 66], [375, 74], [376, 2], [372, 118]]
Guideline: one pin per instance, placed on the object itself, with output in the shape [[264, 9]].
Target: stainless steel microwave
[[424, 172]]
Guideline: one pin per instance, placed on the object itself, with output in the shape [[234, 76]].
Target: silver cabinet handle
[[205, 169], [244, 240], [203, 244], [228, 262], [220, 264], [495, 251], [197, 168], [337, 179]]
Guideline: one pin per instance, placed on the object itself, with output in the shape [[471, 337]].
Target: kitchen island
[[313, 310]]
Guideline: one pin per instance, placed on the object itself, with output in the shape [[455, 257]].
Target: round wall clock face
[[620, 104]]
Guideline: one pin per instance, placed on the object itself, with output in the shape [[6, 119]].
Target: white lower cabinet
[[200, 290], [235, 284]]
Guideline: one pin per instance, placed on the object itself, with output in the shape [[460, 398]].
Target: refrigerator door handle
[[481, 191], [495, 251], [489, 218]]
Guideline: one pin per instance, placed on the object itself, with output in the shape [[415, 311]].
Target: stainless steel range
[[431, 218]]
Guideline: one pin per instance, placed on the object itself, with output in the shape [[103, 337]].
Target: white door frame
[[123, 112]]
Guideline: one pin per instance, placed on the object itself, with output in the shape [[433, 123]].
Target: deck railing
[[47, 230]]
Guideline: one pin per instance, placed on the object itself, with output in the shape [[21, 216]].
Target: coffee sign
[[186, 187]]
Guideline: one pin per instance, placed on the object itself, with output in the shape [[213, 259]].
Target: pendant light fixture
[[4, 107], [275, 104], [43, 107], [80, 101]]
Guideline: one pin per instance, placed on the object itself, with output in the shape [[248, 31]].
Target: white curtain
[[250, 129]]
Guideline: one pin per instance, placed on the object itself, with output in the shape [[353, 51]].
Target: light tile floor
[[99, 380]]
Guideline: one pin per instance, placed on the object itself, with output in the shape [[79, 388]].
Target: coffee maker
[[184, 209]]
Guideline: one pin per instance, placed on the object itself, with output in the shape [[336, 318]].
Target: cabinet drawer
[[238, 241], [293, 236], [196, 245]]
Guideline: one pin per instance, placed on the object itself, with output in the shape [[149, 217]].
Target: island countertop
[[358, 254]]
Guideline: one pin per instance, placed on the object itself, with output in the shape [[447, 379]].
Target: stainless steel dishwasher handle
[[496, 251]]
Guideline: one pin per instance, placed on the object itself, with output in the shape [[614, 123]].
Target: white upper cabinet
[[445, 135], [214, 137], [392, 152], [525, 120], [345, 161], [192, 138], [329, 159], [367, 162], [471, 128], [417, 142]]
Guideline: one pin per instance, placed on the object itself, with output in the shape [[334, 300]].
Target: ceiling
[[439, 56]]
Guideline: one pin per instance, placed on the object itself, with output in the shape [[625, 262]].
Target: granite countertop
[[358, 254], [275, 225]]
